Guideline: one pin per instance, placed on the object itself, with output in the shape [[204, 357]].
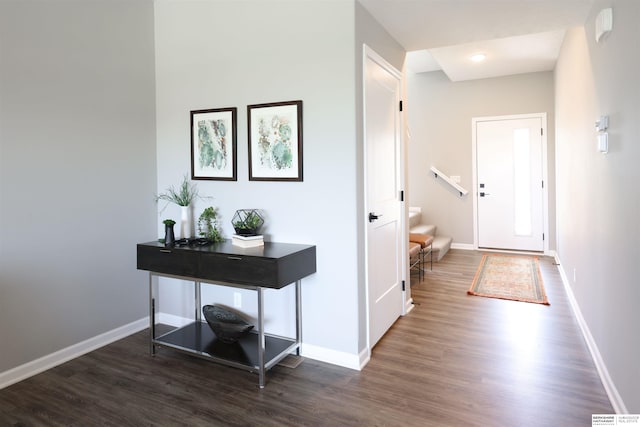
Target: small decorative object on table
[[208, 226], [247, 222], [183, 197], [169, 237], [228, 326], [247, 241]]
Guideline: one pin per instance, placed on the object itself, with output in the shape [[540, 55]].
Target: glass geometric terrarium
[[247, 222]]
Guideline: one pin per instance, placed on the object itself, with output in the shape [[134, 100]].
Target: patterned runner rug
[[515, 278]]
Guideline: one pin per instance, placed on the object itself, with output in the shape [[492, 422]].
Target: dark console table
[[273, 266]]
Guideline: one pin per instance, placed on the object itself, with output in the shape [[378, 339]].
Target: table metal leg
[[261, 339], [198, 300], [152, 317], [298, 315]]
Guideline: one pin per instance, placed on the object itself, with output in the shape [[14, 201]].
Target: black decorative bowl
[[228, 326]]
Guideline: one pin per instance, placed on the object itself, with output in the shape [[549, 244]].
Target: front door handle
[[373, 217]]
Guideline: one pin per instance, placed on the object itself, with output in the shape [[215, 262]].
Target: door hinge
[[403, 285], [542, 184], [402, 195], [543, 237], [401, 105], [541, 131]]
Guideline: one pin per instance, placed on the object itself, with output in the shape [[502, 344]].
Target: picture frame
[[275, 141], [214, 144]]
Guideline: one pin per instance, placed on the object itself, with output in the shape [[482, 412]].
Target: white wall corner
[[52, 360], [365, 357], [612, 392], [409, 306]]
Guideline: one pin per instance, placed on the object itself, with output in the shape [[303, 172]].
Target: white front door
[[510, 184], [383, 221]]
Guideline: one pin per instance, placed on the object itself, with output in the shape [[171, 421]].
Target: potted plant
[[208, 226], [169, 237], [247, 222], [183, 196]]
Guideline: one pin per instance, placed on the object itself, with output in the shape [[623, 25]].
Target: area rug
[[515, 278]]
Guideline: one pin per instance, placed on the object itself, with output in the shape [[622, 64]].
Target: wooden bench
[[425, 241], [415, 258]]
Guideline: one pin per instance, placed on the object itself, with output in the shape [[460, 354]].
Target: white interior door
[[383, 205], [510, 187]]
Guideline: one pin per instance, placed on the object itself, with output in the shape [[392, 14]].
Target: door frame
[[545, 177], [368, 53]]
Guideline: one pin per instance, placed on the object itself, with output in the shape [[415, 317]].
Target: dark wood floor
[[455, 360]]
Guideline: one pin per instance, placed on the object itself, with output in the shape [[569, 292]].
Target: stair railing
[[449, 181]]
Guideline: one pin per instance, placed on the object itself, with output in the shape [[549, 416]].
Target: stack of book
[[247, 241]]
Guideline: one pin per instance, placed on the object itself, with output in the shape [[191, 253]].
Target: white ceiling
[[517, 36]]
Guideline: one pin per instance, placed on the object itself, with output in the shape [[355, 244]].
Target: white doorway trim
[[370, 54], [545, 177]]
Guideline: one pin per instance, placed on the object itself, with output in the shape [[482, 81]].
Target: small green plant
[[169, 222], [253, 220], [186, 193], [208, 226], [247, 222]]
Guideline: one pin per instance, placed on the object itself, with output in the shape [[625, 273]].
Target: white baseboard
[[49, 361], [471, 247], [408, 306], [465, 246], [22, 372], [612, 392], [172, 320], [365, 357], [340, 358]]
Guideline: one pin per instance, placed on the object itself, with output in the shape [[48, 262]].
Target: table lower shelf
[[198, 339]]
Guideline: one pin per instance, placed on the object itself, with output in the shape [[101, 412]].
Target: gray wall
[[440, 113], [598, 199], [273, 51], [79, 105], [77, 170]]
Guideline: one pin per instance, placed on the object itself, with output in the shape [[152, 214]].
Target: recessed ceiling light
[[478, 57]]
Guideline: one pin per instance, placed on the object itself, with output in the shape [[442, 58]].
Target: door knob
[[373, 217]]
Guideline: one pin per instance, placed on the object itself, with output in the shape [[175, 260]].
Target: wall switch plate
[[603, 142], [237, 300]]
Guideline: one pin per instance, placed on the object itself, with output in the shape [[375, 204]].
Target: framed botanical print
[[213, 144], [275, 141]]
